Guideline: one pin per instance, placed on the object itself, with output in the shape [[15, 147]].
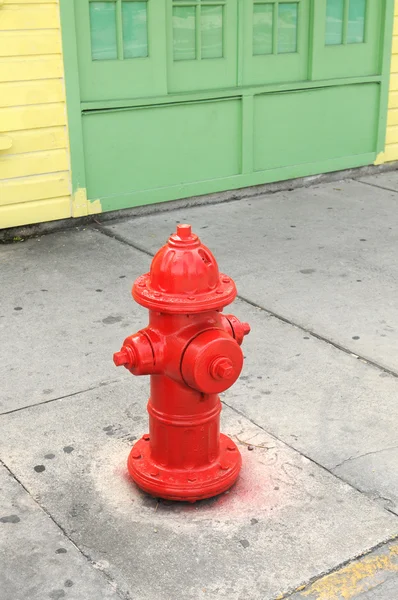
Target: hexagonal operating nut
[[123, 358], [222, 368]]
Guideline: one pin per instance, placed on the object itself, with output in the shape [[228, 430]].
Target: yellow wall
[[34, 156], [391, 151]]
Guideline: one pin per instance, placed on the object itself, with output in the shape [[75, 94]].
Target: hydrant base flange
[[184, 484]]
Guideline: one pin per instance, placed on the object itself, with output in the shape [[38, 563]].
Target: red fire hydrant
[[192, 353]]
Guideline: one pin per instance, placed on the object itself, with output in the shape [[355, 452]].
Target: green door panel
[[350, 42], [316, 125], [172, 98], [161, 146], [202, 44], [276, 44], [121, 48]]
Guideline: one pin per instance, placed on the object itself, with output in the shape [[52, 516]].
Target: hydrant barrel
[[192, 353]]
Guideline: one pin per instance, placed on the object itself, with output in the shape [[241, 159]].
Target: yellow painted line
[[351, 581]]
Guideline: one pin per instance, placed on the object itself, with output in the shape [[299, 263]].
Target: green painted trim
[[313, 40], [385, 69], [239, 49], [247, 144], [71, 67], [199, 188], [227, 93]]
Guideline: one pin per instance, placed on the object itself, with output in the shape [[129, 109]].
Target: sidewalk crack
[[351, 458], [380, 187], [89, 389], [312, 460], [124, 595]]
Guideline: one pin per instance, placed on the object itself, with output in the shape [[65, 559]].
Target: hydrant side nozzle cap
[[246, 328], [122, 358]]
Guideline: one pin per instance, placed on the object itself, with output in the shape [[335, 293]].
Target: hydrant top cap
[[184, 278]]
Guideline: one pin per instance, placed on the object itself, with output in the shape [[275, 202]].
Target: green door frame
[[76, 109]]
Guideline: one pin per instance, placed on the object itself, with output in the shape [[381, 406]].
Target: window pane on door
[[211, 27], [262, 28], [356, 22], [287, 27], [334, 22], [184, 32], [135, 32], [103, 30]]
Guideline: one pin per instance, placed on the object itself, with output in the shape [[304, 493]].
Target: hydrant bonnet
[[184, 277]]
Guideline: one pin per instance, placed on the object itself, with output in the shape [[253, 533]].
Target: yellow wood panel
[[25, 43], [38, 187], [35, 212], [391, 152], [20, 93], [29, 2], [34, 172], [392, 135], [395, 44], [25, 16], [394, 63], [394, 82], [21, 165], [31, 67], [36, 140], [392, 118], [16, 118], [393, 100]]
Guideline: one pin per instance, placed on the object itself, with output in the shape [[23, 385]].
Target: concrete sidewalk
[[315, 512]]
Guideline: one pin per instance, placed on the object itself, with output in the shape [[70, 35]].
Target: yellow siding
[[391, 151], [34, 159]]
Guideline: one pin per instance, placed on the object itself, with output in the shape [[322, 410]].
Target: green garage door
[[173, 98]]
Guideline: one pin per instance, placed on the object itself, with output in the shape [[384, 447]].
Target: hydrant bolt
[[222, 368], [191, 351]]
